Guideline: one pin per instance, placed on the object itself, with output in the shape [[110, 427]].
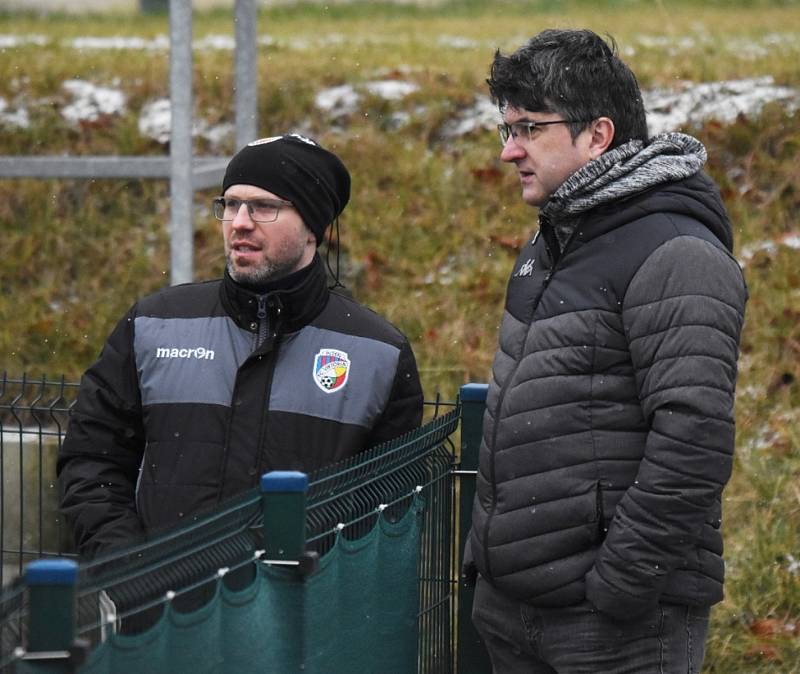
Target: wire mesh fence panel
[[33, 417], [128, 590]]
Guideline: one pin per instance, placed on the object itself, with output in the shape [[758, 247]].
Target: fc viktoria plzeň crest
[[331, 368]]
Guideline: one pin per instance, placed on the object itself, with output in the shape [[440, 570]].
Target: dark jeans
[[522, 639]]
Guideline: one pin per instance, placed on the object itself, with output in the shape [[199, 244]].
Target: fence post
[[471, 656], [246, 77], [283, 497], [51, 621], [181, 193]]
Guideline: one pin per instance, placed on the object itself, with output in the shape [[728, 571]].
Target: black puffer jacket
[[201, 388], [609, 431]]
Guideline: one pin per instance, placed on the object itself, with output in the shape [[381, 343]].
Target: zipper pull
[[262, 320]]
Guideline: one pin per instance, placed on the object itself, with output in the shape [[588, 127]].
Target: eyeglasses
[[525, 129], [260, 210]]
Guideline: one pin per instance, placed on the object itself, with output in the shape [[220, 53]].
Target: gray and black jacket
[[203, 387], [609, 430]]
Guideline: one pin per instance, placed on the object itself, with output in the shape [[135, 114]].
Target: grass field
[[430, 234]]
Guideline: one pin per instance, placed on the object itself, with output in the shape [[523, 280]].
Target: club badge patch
[[331, 368]]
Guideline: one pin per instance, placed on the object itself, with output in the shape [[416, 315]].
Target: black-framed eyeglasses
[[260, 210], [524, 130]]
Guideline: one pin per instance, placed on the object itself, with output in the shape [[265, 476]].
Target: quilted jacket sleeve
[[683, 315], [99, 461]]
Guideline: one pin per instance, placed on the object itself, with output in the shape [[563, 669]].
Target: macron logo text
[[200, 353]]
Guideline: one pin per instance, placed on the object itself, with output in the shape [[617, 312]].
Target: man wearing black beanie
[[202, 388]]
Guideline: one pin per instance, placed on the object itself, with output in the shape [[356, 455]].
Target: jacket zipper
[[262, 330], [501, 397], [263, 321]]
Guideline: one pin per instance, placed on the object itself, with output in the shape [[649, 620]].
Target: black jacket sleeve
[[99, 461], [403, 412]]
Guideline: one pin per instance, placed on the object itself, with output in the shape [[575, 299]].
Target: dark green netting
[[357, 613]]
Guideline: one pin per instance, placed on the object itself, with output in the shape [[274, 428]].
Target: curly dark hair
[[575, 74]]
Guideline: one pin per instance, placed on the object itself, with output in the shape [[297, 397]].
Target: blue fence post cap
[[474, 393], [51, 572], [284, 480]]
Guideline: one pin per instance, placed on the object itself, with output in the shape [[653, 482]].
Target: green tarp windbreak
[[357, 614]]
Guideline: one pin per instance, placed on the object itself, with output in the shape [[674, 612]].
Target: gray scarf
[[626, 170]]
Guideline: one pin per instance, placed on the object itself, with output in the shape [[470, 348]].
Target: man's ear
[[602, 134]]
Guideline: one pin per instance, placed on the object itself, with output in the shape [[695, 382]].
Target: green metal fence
[[341, 500]]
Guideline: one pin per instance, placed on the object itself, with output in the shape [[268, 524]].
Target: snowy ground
[[688, 104], [85, 6], [685, 105]]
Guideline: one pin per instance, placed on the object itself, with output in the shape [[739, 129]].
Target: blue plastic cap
[[474, 393], [284, 480], [51, 572]]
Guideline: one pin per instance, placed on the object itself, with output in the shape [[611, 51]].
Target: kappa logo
[[331, 369], [526, 269]]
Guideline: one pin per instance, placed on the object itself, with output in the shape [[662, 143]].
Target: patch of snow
[[215, 42], [667, 43], [769, 246], [457, 42], [792, 565], [752, 391], [17, 83], [483, 114], [746, 50], [391, 90], [344, 99], [397, 120], [764, 440], [155, 120], [217, 134], [751, 249], [333, 40], [751, 50], [741, 48], [18, 117], [158, 43], [338, 101], [91, 101], [299, 44], [692, 104], [10, 41], [791, 241], [339, 40]]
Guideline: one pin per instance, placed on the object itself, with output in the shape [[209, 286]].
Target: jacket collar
[[289, 308]]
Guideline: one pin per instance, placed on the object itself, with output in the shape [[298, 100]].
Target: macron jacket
[[609, 432], [202, 388]]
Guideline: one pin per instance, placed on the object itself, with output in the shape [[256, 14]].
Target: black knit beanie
[[297, 169]]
